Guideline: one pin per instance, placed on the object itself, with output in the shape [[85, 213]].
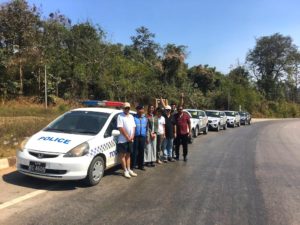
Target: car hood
[[213, 118], [55, 142]]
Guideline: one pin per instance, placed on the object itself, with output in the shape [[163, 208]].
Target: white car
[[233, 118], [80, 144], [200, 121], [216, 119]]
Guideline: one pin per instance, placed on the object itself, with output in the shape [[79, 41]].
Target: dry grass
[[14, 129], [22, 118]]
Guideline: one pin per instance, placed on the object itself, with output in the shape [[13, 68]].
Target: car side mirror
[[115, 133]]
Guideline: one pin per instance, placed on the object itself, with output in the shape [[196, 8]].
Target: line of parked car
[[81, 143], [203, 121]]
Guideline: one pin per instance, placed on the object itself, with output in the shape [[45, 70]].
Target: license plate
[[37, 167]]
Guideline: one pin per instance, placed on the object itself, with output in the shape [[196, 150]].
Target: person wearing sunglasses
[[126, 125]]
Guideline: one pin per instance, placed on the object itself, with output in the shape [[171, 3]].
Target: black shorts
[[126, 147]]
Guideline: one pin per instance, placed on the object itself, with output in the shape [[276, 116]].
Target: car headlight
[[22, 144], [79, 150]]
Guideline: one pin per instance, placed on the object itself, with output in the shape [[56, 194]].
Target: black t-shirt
[[169, 126]]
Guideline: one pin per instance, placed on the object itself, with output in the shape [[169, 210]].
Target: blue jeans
[[168, 148]]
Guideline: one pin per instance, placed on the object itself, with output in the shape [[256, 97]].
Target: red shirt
[[182, 123]]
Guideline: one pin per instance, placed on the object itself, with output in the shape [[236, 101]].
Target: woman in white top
[[160, 133]]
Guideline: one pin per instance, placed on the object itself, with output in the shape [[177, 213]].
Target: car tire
[[218, 128], [195, 132], [95, 171], [205, 130]]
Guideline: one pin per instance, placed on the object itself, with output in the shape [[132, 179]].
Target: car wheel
[[195, 132], [206, 130], [218, 128], [95, 171]]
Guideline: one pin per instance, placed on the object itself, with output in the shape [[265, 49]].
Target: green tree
[[270, 60], [20, 27]]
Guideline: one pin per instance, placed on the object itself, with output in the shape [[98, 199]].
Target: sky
[[217, 32]]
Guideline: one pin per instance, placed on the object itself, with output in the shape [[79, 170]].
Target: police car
[[80, 144]]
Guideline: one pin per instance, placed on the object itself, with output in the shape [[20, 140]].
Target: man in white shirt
[[126, 125]]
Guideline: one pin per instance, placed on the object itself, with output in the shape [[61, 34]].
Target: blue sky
[[217, 32]]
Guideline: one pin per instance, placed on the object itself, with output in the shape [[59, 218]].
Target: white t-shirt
[[161, 122], [126, 121]]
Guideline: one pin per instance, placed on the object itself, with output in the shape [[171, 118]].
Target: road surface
[[246, 175]]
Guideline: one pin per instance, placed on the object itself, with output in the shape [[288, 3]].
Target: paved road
[[246, 175]]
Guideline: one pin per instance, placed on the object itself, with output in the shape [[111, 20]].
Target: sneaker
[[126, 174], [152, 164], [185, 158], [171, 160], [133, 174], [159, 162], [165, 161]]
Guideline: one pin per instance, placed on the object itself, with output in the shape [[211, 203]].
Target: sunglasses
[[127, 108]]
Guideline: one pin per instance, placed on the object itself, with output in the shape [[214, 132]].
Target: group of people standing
[[152, 138]]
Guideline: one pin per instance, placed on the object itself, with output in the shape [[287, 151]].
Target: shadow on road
[[18, 179]]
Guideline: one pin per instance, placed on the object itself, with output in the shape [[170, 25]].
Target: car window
[[112, 126], [194, 114], [79, 122], [201, 113], [213, 113], [230, 113]]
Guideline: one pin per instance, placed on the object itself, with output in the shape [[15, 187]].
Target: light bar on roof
[[96, 103]]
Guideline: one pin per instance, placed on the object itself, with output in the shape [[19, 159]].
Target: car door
[[111, 143], [200, 123], [204, 119]]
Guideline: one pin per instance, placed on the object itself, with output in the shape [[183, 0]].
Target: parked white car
[[80, 144], [199, 118], [233, 118], [216, 119]]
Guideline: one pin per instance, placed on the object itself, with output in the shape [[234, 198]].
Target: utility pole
[[46, 103], [228, 100]]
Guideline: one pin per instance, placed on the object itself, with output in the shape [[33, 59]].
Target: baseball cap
[[168, 107], [140, 106], [126, 104]]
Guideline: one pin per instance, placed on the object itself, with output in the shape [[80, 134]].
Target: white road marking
[[21, 199]]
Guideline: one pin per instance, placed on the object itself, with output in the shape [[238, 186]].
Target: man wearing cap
[[170, 133], [126, 125], [141, 123]]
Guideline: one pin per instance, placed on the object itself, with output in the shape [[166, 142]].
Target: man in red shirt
[[183, 131]]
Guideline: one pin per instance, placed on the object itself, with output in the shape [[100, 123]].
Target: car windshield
[[242, 113], [194, 114], [213, 114], [230, 113], [79, 122]]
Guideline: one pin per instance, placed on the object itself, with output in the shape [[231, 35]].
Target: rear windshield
[[79, 122], [212, 113]]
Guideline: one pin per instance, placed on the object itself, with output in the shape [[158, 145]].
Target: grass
[[23, 118]]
